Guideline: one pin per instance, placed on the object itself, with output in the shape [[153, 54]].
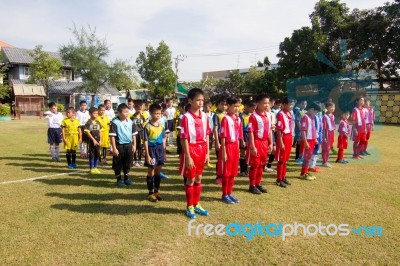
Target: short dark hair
[[130, 100], [207, 102], [51, 104], [80, 103], [250, 103], [261, 97], [106, 101], [232, 100], [220, 99], [101, 106], [314, 105], [70, 109], [139, 103], [122, 106], [194, 92], [169, 99], [154, 107], [329, 104], [285, 100], [278, 101], [163, 106], [93, 109]]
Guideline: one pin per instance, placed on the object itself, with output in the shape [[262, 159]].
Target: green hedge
[[5, 110]]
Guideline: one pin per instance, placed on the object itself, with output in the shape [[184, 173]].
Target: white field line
[[37, 178]]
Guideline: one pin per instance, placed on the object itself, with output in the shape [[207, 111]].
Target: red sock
[[340, 155], [279, 171], [304, 171], [189, 195], [225, 186], [355, 148], [231, 181], [252, 175], [260, 171], [284, 170], [196, 193]]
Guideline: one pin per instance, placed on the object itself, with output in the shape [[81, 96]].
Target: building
[[224, 74], [67, 90]]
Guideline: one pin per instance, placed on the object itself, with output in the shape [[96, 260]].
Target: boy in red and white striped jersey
[[344, 132], [309, 138], [328, 138], [359, 130], [195, 130], [260, 143], [369, 122], [230, 135], [284, 132]]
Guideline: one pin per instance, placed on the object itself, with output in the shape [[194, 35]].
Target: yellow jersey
[[70, 126]]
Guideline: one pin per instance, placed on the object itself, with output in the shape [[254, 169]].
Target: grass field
[[69, 217]]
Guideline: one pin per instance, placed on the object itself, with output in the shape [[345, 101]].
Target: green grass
[[80, 219]]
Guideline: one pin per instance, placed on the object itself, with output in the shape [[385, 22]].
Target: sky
[[239, 32]]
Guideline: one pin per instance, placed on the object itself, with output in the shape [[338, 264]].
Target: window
[[67, 74], [26, 72]]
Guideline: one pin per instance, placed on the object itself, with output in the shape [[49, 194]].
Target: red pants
[[257, 162], [308, 154], [230, 166], [198, 153]]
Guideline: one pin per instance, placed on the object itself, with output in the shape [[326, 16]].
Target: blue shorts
[[54, 135], [157, 154]]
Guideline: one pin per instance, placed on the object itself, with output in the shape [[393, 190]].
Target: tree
[[87, 56], [44, 68], [4, 88], [155, 67]]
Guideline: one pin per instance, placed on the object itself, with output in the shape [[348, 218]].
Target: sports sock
[[150, 184], [252, 175], [231, 182], [279, 171], [270, 160], [260, 171], [225, 185], [157, 182], [68, 156], [52, 151], [189, 191], [73, 156], [196, 193]]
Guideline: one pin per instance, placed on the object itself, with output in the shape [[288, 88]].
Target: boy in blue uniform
[[154, 144], [123, 142]]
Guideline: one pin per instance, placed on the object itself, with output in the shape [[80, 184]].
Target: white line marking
[[36, 178]]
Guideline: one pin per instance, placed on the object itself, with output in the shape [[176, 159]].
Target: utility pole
[[178, 58]]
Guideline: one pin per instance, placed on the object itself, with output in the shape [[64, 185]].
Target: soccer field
[[68, 217]]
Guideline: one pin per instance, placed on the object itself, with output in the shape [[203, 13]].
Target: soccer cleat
[[163, 176], [367, 153], [244, 174], [345, 162], [210, 165], [234, 199], [226, 199], [315, 169], [286, 182], [128, 182], [311, 176], [299, 160], [70, 166], [141, 163], [306, 177], [190, 212], [152, 197], [254, 190], [92, 171], [157, 194], [269, 169], [327, 165], [54, 159], [281, 184], [198, 209], [120, 183], [74, 165], [263, 190], [58, 159], [97, 171], [136, 164]]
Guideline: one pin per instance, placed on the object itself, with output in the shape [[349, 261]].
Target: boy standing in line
[[359, 130], [54, 132], [154, 145], [328, 122], [109, 112], [170, 114], [93, 132], [72, 136], [309, 138], [83, 116], [260, 143], [344, 132], [249, 108], [194, 138], [230, 135], [105, 130], [219, 114], [284, 131], [369, 123], [140, 121], [123, 142]]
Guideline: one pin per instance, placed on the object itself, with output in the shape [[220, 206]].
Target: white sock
[[57, 151], [314, 161], [52, 151]]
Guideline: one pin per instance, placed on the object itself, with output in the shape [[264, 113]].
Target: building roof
[[22, 56], [71, 87], [28, 90], [182, 89], [139, 94], [4, 44]]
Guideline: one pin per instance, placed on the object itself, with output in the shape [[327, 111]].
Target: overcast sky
[[244, 30]]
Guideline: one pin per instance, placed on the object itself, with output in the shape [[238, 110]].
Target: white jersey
[[110, 113], [54, 119], [83, 117], [170, 112]]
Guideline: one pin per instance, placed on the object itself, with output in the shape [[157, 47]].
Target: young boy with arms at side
[[181, 110], [369, 123], [194, 138], [344, 132], [131, 106], [93, 132], [260, 143], [309, 138], [140, 121], [328, 124], [219, 114], [54, 132], [109, 112], [210, 115], [284, 136], [359, 129], [169, 114], [154, 144], [249, 108], [230, 136], [123, 142], [298, 116], [83, 116], [105, 130], [72, 136], [272, 112], [319, 129]]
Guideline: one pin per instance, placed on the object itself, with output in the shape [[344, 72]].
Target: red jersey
[[358, 117], [370, 115], [260, 126], [344, 128], [308, 125], [284, 122], [231, 128], [195, 128]]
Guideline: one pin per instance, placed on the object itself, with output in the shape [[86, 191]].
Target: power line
[[248, 51]]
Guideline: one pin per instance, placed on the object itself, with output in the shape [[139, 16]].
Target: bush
[[5, 110], [60, 107]]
